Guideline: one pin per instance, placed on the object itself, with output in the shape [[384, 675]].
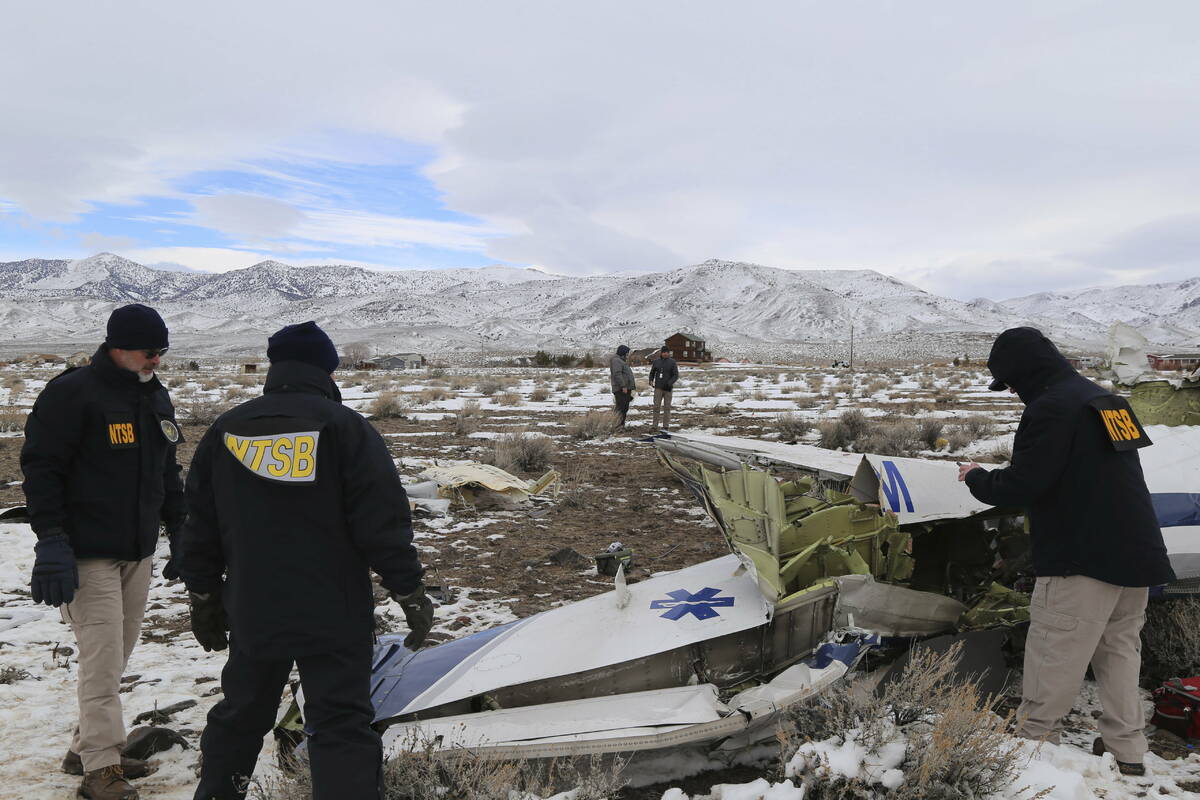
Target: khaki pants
[[1074, 620], [106, 616], [662, 398]]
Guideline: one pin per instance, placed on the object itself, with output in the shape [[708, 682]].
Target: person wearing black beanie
[[101, 476], [304, 342], [293, 500]]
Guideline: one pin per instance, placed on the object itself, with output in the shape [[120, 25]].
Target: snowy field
[[494, 562]]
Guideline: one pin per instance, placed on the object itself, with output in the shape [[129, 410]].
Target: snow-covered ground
[[37, 712]]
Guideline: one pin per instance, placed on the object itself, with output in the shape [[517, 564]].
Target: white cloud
[[247, 216], [982, 147]]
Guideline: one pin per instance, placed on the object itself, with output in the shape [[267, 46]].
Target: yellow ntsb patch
[[288, 457]]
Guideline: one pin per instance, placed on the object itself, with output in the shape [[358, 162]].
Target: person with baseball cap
[[100, 478], [293, 498], [664, 372], [1095, 540]]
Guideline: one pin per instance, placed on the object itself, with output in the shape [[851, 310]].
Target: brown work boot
[[133, 767], [1124, 767], [107, 783]]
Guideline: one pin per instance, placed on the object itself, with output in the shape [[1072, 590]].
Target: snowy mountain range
[[744, 309]]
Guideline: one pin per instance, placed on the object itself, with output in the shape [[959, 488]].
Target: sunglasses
[[154, 352]]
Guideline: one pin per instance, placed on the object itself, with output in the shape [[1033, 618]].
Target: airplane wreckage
[[831, 554]]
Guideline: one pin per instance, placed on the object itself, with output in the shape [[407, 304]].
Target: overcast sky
[[974, 149]]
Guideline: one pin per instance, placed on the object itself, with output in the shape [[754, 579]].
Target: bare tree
[[355, 353]]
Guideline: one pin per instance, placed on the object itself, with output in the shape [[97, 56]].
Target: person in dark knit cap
[[100, 478], [1095, 541], [623, 384], [294, 499]]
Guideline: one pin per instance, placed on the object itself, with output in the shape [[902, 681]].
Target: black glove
[[208, 620], [170, 570], [418, 612], [55, 576]]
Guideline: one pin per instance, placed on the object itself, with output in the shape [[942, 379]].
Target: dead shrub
[[1170, 640], [421, 773], [958, 438], [489, 386], [389, 405], [896, 437], [14, 383], [844, 431], [979, 426], [721, 409], [204, 411], [460, 382], [521, 451], [10, 675], [12, 420], [595, 424], [508, 399], [434, 394], [708, 390], [1001, 454], [468, 419], [929, 430], [539, 395], [791, 426], [956, 747], [806, 401]]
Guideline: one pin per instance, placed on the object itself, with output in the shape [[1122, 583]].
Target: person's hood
[[300, 376], [1025, 360]]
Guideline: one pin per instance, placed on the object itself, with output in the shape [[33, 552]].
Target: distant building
[[249, 369], [400, 361], [639, 358], [1083, 362], [688, 347], [1174, 361]]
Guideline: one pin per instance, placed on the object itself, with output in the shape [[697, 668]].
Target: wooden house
[[1175, 361], [688, 347], [642, 357]]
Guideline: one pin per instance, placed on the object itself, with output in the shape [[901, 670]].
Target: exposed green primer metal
[[1000, 606], [798, 537], [1162, 403], [795, 539]]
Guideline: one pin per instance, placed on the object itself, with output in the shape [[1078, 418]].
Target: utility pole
[[851, 345]]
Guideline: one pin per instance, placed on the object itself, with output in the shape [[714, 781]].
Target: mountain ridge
[[736, 305]]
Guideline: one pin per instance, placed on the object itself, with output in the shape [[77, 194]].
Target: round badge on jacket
[[170, 430]]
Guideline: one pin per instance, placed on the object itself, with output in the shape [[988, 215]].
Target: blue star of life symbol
[[700, 604]]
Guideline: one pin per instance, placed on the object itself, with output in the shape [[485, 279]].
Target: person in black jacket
[[664, 372], [293, 496], [1096, 543], [100, 478]]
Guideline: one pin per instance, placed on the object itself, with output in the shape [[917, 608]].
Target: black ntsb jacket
[[663, 373], [1075, 468], [292, 496], [99, 461]]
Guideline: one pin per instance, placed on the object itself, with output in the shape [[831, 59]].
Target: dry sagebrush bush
[[434, 394], [522, 451], [468, 419], [595, 424], [539, 395], [489, 386], [12, 419], [203, 411], [508, 399], [791, 426], [956, 747], [421, 773], [1171, 640], [389, 405]]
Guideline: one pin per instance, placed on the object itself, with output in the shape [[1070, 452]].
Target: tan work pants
[[1074, 620], [662, 398], [106, 616]]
